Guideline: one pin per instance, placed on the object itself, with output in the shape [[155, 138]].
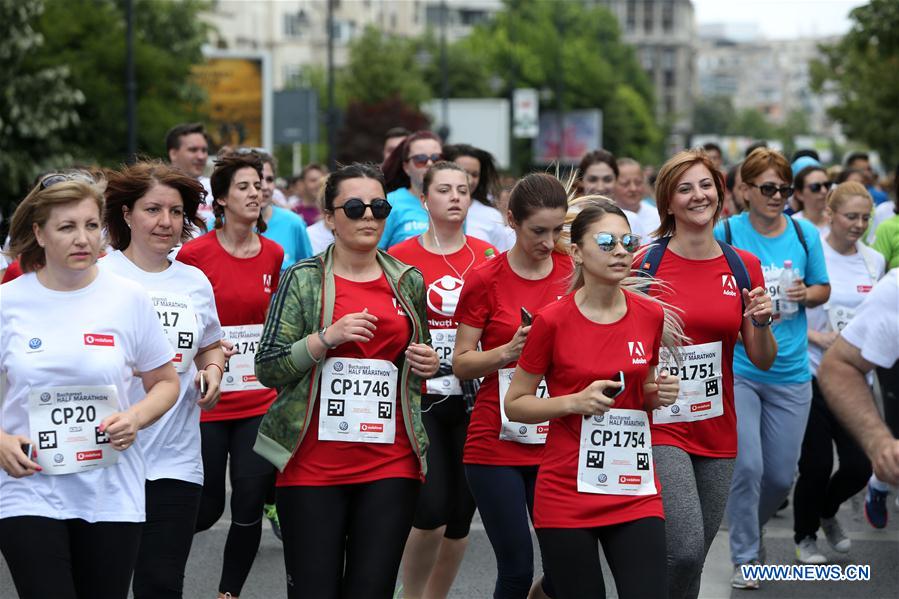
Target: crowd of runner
[[619, 359]]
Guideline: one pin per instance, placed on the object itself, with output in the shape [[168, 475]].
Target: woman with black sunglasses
[[404, 171], [346, 342], [811, 187], [596, 482]]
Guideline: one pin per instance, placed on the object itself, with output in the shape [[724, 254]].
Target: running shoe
[[835, 535], [807, 552], [876, 507], [271, 512], [738, 581]]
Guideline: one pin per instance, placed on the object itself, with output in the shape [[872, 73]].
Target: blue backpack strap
[[653, 257], [738, 268], [728, 237], [799, 234]]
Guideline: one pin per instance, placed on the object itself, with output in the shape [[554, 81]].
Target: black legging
[[635, 552], [818, 494], [889, 389], [345, 541], [69, 559], [251, 478], [172, 507], [445, 498]]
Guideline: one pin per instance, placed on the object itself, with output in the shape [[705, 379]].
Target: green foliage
[[89, 37], [862, 69], [713, 115], [382, 67], [37, 106]]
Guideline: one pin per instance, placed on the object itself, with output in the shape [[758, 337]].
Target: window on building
[[648, 16], [668, 15], [631, 15], [295, 23], [669, 78], [669, 104], [293, 75]]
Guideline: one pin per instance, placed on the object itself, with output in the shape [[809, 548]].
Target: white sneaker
[[807, 552], [835, 535]]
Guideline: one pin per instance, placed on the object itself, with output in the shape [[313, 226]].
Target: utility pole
[[332, 109], [444, 76]]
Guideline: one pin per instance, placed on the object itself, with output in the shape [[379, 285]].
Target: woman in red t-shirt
[[501, 456], [445, 255], [695, 439], [596, 481], [243, 268]]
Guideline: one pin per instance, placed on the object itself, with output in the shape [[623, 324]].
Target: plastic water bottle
[[490, 253], [787, 308]]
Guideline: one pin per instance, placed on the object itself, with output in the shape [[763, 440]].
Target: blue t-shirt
[[287, 230], [791, 364], [408, 218], [878, 196]]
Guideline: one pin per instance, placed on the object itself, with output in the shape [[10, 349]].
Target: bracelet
[[763, 324], [222, 370]]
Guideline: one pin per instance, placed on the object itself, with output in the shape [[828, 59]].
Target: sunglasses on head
[[53, 179], [354, 208], [607, 242], [769, 190], [421, 160], [816, 187]]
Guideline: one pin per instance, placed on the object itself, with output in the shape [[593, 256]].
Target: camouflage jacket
[[302, 305]]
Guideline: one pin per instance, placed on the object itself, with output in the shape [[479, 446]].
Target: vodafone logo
[[638, 354], [84, 456], [701, 407], [729, 285], [101, 340], [371, 427], [178, 358], [249, 378], [863, 288], [542, 429], [443, 295], [629, 479]]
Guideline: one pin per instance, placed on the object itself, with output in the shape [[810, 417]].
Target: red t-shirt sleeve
[[474, 303], [13, 271], [538, 348]]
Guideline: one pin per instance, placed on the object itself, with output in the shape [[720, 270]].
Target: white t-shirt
[[185, 305], [875, 328], [851, 279], [881, 213], [486, 223], [320, 236], [643, 222], [823, 228], [98, 335]]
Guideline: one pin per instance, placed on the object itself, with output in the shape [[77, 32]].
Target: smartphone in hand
[[202, 385], [526, 318], [27, 449], [613, 393]]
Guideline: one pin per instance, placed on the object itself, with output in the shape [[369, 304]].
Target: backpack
[[796, 227], [653, 258]]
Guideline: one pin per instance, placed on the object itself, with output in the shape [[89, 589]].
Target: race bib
[[240, 370], [65, 423], [529, 434], [179, 321], [615, 456], [701, 396], [444, 342], [358, 398], [839, 317]]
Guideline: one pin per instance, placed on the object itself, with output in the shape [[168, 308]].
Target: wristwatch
[[761, 325], [321, 336]]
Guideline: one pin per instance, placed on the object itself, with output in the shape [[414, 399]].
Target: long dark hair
[[356, 170], [488, 184], [394, 175], [536, 191], [226, 166]]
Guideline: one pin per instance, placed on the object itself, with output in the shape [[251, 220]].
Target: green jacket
[[302, 305]]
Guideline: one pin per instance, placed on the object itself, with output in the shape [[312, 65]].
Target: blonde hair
[[842, 192], [37, 207]]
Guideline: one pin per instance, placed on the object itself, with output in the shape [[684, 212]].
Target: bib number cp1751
[[65, 421], [615, 456], [529, 434], [701, 396], [358, 398]]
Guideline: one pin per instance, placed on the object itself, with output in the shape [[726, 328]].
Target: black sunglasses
[[816, 187], [607, 242], [769, 190], [421, 160], [354, 208]]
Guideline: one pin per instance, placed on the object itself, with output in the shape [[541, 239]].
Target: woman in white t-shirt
[[853, 269], [72, 339], [151, 207]]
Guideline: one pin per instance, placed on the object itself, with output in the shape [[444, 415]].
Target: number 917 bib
[[358, 398]]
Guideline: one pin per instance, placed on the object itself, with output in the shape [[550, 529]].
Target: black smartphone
[[27, 450], [613, 393], [526, 318]]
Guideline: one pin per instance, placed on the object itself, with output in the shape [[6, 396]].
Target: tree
[[862, 70], [382, 67], [713, 115], [361, 136], [38, 106], [168, 37]]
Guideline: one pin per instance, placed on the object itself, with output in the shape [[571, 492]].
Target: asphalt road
[[879, 549]]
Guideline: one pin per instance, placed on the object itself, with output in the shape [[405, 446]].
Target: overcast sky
[[781, 19]]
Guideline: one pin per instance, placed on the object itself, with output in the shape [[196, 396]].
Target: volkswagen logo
[[599, 418], [602, 478], [338, 366], [45, 397], [34, 343], [675, 409], [343, 425], [522, 430], [58, 458]]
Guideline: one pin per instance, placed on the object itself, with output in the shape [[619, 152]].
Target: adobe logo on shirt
[[267, 283], [729, 285], [638, 354], [97, 339]]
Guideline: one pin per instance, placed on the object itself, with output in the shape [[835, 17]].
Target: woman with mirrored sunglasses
[[346, 342], [772, 404], [596, 483], [811, 187], [695, 439], [404, 171]]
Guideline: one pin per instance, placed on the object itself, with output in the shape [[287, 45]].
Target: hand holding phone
[[27, 449], [612, 393], [526, 318], [202, 384]]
